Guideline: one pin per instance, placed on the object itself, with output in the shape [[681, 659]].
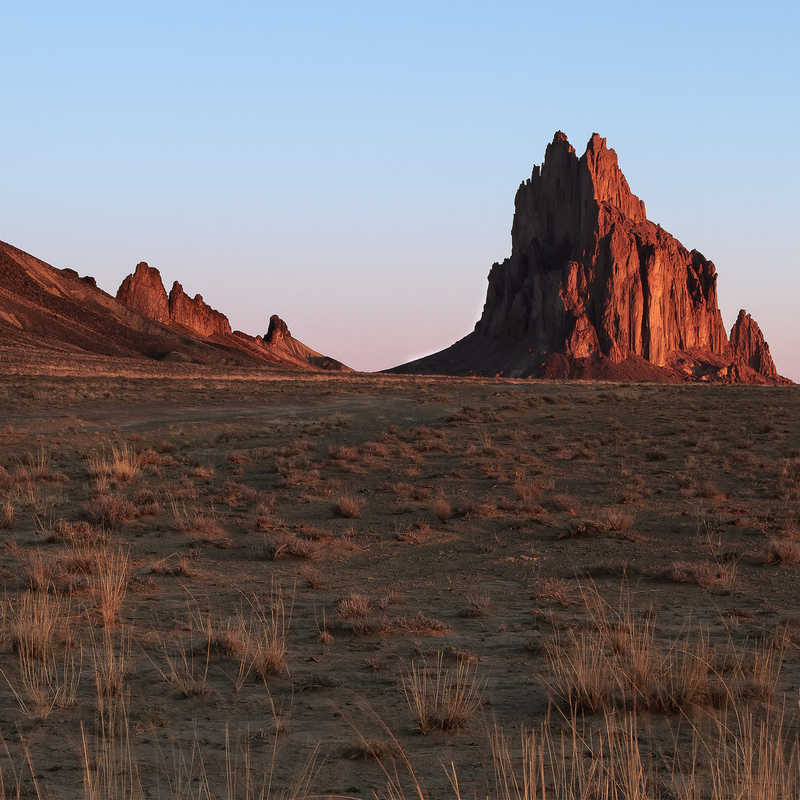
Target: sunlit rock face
[[592, 288]]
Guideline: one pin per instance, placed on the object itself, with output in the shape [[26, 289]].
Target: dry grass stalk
[[619, 662], [256, 635], [111, 664], [48, 673], [122, 464], [440, 697], [108, 582], [109, 761]]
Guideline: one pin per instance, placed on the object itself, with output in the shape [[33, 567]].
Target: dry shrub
[[441, 697], [442, 508], [784, 551], [717, 576], [354, 606], [348, 506], [111, 510]]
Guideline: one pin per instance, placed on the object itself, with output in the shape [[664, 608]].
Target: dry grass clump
[[256, 635], [122, 464], [442, 697], [111, 510], [186, 664], [111, 662], [348, 506], [6, 514], [620, 662], [201, 526], [37, 468], [785, 551], [354, 606], [49, 667], [108, 581], [717, 576]]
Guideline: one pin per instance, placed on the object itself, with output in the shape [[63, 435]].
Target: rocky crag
[[48, 313], [594, 289], [144, 291]]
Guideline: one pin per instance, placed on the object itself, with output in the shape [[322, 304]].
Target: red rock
[[195, 314], [592, 280], [749, 347], [144, 292]]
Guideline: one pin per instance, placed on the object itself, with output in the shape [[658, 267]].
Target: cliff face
[[590, 276], [591, 284], [195, 314], [144, 292]]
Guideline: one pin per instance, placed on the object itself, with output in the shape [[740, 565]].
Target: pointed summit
[[144, 292], [749, 346]]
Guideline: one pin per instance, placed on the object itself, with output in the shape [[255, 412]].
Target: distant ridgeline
[[56, 310]]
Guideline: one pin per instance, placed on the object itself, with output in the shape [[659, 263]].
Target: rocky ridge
[[49, 313], [143, 290]]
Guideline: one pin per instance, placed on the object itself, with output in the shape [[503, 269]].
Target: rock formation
[[749, 348], [60, 315], [278, 331], [593, 288], [195, 314], [144, 292]]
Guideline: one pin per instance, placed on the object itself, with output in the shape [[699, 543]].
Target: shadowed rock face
[[591, 285], [749, 348]]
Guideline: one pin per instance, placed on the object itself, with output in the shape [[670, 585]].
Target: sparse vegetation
[[671, 676]]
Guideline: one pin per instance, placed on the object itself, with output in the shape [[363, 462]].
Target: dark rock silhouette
[[594, 289]]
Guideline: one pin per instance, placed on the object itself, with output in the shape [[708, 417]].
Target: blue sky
[[352, 167]]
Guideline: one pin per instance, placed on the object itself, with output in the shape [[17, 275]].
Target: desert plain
[[236, 584]]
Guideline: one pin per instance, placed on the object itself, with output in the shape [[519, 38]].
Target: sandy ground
[[398, 520]]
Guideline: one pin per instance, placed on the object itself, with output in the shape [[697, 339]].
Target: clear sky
[[352, 166]]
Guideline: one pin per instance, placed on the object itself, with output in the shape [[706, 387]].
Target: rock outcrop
[[195, 314], [592, 285], [277, 332], [749, 347], [144, 292]]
